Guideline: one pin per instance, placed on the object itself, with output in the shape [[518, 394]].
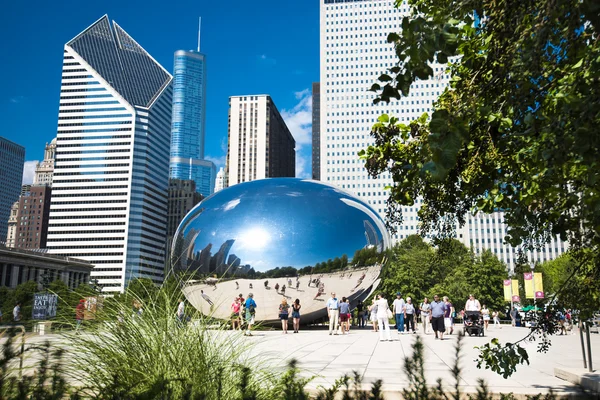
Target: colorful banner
[[539, 285], [530, 291], [507, 290], [515, 291]]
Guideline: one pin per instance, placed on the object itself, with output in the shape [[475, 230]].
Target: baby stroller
[[473, 323]]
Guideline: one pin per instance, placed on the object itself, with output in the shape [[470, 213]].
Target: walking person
[[17, 312], [373, 311], [472, 304], [360, 308], [349, 317], [333, 312], [296, 315], [496, 318], [486, 317], [449, 316], [79, 313], [250, 306], [181, 311], [284, 310], [425, 314], [236, 306], [513, 316], [383, 318], [409, 315], [399, 310], [438, 310], [344, 311]]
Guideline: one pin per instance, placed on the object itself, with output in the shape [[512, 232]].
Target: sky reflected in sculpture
[[270, 223]]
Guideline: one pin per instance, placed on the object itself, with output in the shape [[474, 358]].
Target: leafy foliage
[[417, 269], [515, 131]]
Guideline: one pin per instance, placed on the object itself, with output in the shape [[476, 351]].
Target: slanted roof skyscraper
[[109, 189]]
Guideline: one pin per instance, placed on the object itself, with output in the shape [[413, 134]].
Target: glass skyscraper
[[110, 183], [12, 159], [188, 121]]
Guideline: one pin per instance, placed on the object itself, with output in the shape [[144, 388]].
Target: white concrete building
[[354, 52], [45, 169], [110, 184], [11, 234], [220, 180], [259, 143]]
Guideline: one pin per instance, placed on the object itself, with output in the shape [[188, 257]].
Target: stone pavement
[[330, 357]]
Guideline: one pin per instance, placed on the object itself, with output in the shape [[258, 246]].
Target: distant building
[[11, 233], [260, 144], [45, 169], [316, 131], [111, 179], [25, 189], [188, 122], [220, 181], [12, 160], [33, 210], [18, 266], [182, 198]]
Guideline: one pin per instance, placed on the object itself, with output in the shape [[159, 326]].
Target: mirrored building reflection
[[276, 238]]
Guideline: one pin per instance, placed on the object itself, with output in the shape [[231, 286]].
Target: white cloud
[[29, 172], [17, 99], [263, 58], [299, 118], [303, 165], [219, 161]]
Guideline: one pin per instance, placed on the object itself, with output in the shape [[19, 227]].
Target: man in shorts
[[438, 309]]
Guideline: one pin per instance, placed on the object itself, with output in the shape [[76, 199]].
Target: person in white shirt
[[382, 318], [425, 314], [17, 312], [181, 310], [333, 312], [399, 309], [472, 304]]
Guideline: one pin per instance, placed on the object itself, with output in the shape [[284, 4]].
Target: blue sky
[[259, 47]]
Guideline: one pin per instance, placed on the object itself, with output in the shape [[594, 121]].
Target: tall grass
[[152, 355]]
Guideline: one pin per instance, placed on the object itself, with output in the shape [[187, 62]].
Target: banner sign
[[93, 304], [530, 291], [44, 305], [515, 291]]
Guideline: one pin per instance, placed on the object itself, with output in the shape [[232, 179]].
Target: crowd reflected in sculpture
[[276, 238]]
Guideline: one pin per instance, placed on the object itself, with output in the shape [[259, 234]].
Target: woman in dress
[[284, 310], [425, 313], [373, 311], [296, 315], [486, 316], [235, 314]]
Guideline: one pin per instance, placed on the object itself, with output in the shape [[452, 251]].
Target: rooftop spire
[[199, 26]]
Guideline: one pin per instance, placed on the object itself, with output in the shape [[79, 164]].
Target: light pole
[[511, 273], [533, 284]]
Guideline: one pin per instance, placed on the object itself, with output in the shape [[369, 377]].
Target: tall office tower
[[259, 143], [12, 160], [45, 169], [487, 231], [354, 52], [110, 184], [188, 121], [316, 129], [182, 198], [220, 181], [11, 233], [33, 210]]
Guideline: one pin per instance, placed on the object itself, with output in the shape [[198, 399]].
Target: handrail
[[5, 328]]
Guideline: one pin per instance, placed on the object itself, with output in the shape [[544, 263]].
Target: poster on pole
[[93, 304], [515, 291], [507, 290], [44, 306], [539, 285]]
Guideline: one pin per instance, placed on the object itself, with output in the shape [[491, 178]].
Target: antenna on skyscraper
[[199, 26]]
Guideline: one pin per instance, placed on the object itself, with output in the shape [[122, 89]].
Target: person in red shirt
[[79, 312]]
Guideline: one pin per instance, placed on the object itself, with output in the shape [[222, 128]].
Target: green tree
[[515, 131]]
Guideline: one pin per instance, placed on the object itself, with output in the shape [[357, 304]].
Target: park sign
[[44, 305]]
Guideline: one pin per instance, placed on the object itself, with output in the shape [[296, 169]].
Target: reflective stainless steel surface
[[259, 235]]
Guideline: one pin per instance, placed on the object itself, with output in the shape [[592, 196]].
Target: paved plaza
[[330, 357]]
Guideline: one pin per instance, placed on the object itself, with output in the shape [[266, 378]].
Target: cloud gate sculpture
[[275, 238]]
